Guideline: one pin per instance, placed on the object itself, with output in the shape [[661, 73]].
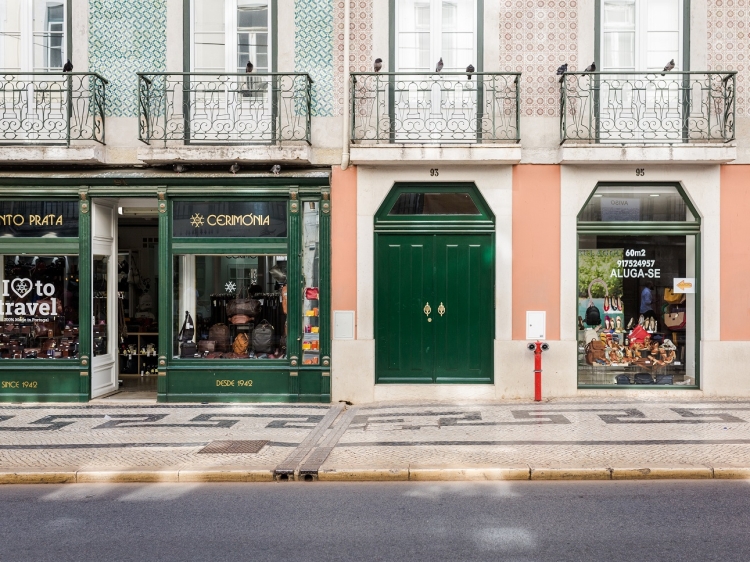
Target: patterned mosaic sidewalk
[[310, 438]]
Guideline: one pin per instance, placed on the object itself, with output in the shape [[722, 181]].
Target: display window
[[39, 307], [637, 301]]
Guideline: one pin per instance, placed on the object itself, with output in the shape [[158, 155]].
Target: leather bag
[[263, 338], [593, 314], [243, 305], [639, 334], [188, 329], [220, 334], [241, 343], [595, 350], [675, 320], [206, 345], [240, 319], [311, 293], [673, 298], [188, 349]]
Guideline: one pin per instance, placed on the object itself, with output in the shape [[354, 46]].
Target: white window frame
[[436, 27], [26, 40]]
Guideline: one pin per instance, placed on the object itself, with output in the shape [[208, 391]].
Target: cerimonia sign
[[233, 219]]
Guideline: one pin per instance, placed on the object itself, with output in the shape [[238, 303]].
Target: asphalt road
[[523, 521]]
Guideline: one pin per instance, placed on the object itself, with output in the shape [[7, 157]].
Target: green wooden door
[[434, 308]]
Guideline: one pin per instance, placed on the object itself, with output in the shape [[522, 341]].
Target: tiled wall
[[313, 50], [125, 37], [361, 57], [729, 44], [536, 37]]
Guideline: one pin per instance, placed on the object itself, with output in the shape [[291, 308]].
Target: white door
[[104, 294]]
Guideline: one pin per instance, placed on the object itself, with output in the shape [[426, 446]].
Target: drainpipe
[[345, 133]]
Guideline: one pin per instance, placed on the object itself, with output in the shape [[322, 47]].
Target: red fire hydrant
[[537, 348]]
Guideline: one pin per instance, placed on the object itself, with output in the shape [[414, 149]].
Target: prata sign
[[27, 219], [16, 290], [229, 219]]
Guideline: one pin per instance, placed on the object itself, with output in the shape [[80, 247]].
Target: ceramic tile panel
[[536, 37], [360, 43], [728, 26], [313, 50], [125, 37]]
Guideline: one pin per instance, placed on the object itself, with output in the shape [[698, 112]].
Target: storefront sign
[[27, 219], [637, 267], [241, 219], [684, 285], [621, 209], [16, 307]]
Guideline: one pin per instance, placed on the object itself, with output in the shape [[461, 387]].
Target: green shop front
[[200, 291]]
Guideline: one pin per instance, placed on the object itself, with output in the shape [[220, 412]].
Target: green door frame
[[652, 228]]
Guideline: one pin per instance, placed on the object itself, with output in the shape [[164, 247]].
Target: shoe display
[[630, 323], [640, 321], [618, 324], [606, 304], [580, 323]]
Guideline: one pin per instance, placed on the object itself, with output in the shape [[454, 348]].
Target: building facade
[[179, 223]]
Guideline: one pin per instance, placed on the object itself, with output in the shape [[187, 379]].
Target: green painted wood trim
[[597, 32], [69, 30], [41, 246], [69, 366], [392, 37], [686, 35], [129, 183], [85, 289], [638, 228], [480, 35], [228, 365], [295, 284], [48, 397], [165, 295], [324, 276], [252, 398], [230, 245]]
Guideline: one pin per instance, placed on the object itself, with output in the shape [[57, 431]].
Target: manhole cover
[[235, 447]]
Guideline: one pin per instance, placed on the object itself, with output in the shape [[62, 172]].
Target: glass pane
[[457, 34], [636, 203], [252, 35], [663, 15], [434, 204], [208, 25], [10, 39], [414, 36], [619, 50], [311, 283], [48, 23], [100, 326], [619, 15], [235, 304], [632, 327], [39, 307]]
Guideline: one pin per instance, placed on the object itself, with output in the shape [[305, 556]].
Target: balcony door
[[642, 36], [425, 105], [225, 36]]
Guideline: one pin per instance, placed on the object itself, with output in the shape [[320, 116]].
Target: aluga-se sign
[[21, 288]]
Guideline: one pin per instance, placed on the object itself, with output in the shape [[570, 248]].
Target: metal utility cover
[[234, 447]]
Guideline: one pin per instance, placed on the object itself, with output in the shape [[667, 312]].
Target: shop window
[[444, 203], [100, 325], [39, 310], [637, 288], [230, 307], [311, 283]]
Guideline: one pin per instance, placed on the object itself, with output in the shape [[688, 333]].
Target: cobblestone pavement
[[576, 433]]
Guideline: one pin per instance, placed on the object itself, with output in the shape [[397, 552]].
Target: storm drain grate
[[235, 447]]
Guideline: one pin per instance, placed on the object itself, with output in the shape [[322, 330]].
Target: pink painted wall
[[536, 246], [735, 255], [344, 239]]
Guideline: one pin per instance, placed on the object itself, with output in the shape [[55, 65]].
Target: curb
[[416, 473]]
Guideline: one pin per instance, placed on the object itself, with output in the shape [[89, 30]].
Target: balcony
[[609, 117], [402, 116], [209, 117], [52, 117]]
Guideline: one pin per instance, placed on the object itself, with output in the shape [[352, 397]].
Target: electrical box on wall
[[536, 324], [343, 324]]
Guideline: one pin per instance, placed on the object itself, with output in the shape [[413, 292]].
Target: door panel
[[454, 275], [404, 335], [464, 286]]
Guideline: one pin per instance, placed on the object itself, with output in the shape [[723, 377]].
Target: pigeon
[[469, 70], [179, 168], [276, 169], [234, 168], [378, 64], [439, 65], [591, 67], [249, 67], [563, 68], [670, 66], [68, 66]]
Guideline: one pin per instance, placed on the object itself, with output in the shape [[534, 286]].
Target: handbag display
[[219, 333], [595, 349], [263, 338], [240, 319], [188, 349], [241, 343], [673, 298], [243, 305], [188, 329], [639, 334], [675, 320], [311, 293], [206, 345]]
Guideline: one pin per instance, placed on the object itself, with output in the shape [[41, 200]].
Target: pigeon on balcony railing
[[275, 169], [68, 66], [591, 67], [378, 64], [670, 66], [249, 67], [234, 168], [439, 65], [469, 70], [563, 68]]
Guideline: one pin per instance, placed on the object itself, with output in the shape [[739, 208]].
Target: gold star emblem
[[196, 220]]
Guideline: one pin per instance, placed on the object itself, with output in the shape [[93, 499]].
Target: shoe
[[619, 303], [630, 324], [580, 323], [606, 304], [613, 303], [640, 321], [607, 322], [654, 325], [618, 324]]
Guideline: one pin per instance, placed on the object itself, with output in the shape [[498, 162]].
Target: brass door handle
[[427, 309], [441, 309]]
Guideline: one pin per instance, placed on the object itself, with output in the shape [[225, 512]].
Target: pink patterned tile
[[728, 29], [360, 44]]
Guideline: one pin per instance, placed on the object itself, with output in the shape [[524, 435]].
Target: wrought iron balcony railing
[[213, 109], [449, 107], [51, 108], [647, 107]]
